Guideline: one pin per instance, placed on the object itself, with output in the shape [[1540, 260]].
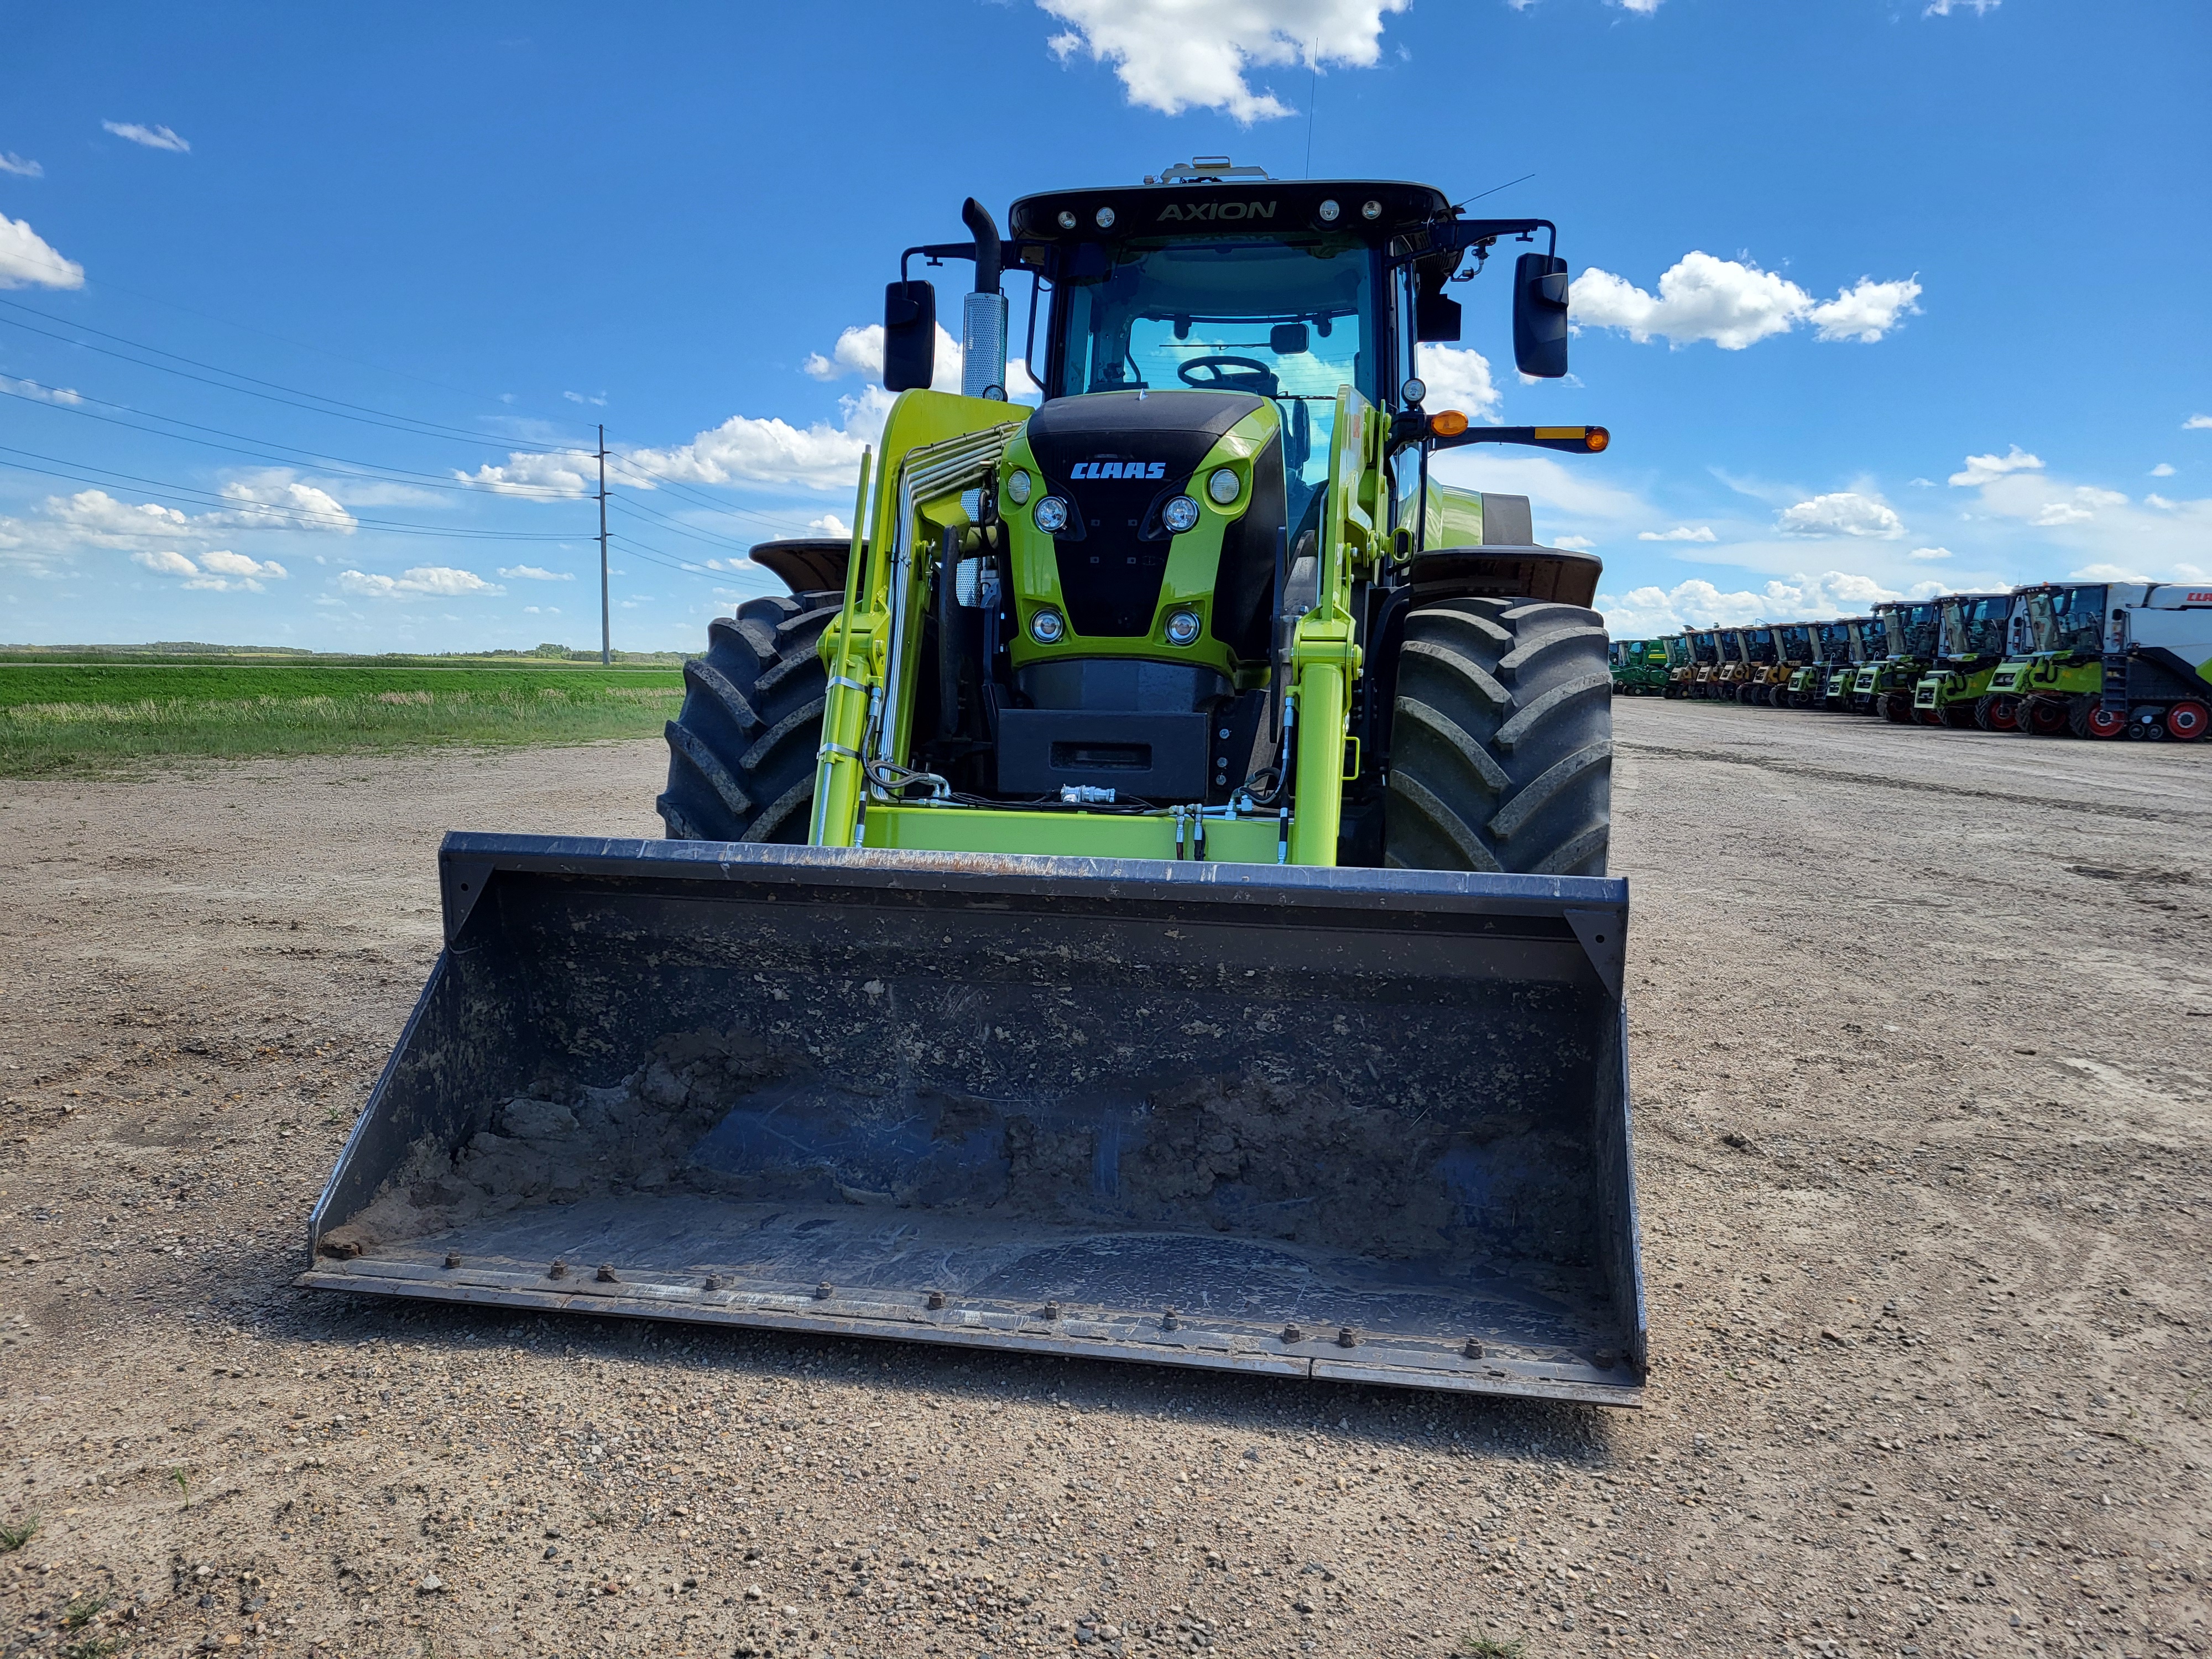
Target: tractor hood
[[1117, 458]]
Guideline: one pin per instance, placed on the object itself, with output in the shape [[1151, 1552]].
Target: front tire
[[1501, 745], [742, 751]]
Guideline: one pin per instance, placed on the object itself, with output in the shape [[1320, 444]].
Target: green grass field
[[84, 716]]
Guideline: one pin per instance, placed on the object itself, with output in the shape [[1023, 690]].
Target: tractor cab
[[1974, 626], [1233, 435], [1832, 641]]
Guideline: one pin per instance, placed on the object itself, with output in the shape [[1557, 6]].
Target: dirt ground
[[1922, 1026]]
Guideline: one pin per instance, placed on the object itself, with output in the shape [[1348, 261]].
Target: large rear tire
[[1501, 744], [742, 752]]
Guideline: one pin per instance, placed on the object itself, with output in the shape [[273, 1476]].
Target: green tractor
[[1911, 637], [1977, 634], [1639, 667], [1141, 896]]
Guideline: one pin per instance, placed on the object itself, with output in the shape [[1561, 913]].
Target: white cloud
[[26, 260], [829, 525], [579, 398], [752, 450], [219, 570], [96, 517], [1681, 532], [860, 352], [1575, 544], [1865, 311], [278, 501], [2197, 423], [2163, 470], [1927, 555], [1459, 378], [560, 474], [1983, 469], [11, 162], [2080, 506], [442, 580], [530, 572], [156, 137], [2159, 503], [1945, 8], [62, 394], [1846, 513], [1173, 55], [1645, 611], [1734, 305]]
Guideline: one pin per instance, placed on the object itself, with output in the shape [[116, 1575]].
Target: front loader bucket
[[1363, 1125]]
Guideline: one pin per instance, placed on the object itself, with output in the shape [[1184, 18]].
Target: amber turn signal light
[[1592, 438], [1447, 423]]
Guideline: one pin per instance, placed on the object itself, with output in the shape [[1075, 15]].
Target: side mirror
[[909, 336], [1540, 315], [1436, 313]]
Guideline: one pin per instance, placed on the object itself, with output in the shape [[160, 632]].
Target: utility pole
[[606, 626]]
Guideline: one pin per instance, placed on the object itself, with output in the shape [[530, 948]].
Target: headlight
[[1050, 514], [1018, 488], [1328, 212], [1179, 515], [1182, 627], [1066, 219], [1105, 218], [1371, 209], [1223, 485], [1045, 627]]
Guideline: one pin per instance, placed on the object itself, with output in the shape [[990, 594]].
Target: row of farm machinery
[[2091, 660]]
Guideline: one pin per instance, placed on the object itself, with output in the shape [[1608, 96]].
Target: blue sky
[[1873, 293]]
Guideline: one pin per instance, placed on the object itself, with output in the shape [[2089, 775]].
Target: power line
[[302, 518], [244, 328], [338, 408], [369, 470], [741, 548]]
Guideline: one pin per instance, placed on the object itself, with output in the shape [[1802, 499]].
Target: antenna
[[1494, 191], [1313, 97]]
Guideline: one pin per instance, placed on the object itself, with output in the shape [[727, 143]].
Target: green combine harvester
[[2109, 659], [1976, 632], [1639, 667], [1911, 637], [1142, 896], [1832, 646], [1681, 665]]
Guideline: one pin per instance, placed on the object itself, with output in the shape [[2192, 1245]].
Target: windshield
[[1290, 320], [1797, 641], [1984, 625], [1916, 629], [1835, 641], [1706, 647], [2077, 620]]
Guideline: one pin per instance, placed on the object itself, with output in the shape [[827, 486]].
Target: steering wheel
[[1230, 374]]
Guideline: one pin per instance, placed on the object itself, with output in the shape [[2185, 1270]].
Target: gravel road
[[1923, 1060]]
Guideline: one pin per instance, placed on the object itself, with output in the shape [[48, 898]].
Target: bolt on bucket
[[1367, 1125]]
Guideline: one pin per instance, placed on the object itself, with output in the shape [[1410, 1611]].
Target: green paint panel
[[1070, 835]]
